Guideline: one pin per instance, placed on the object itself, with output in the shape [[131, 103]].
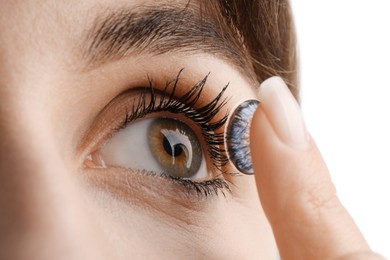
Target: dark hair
[[266, 29]]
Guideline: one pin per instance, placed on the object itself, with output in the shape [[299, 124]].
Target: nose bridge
[[30, 170], [41, 208]]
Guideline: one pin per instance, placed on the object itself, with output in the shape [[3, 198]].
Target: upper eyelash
[[186, 105]]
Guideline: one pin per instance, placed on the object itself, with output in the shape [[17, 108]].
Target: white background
[[345, 80]]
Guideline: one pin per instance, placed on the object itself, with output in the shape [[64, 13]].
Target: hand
[[295, 188]]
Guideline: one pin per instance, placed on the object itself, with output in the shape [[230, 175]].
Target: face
[[111, 116]]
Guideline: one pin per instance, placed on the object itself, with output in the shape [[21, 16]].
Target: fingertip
[[283, 113]]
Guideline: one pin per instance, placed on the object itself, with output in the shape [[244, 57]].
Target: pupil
[[177, 148]]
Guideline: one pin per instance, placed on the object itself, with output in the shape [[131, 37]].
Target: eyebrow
[[150, 30]]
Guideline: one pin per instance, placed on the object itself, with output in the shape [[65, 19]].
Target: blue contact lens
[[237, 136]]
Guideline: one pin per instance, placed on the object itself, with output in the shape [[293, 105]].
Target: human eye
[[170, 135]]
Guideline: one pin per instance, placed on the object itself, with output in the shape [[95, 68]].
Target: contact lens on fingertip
[[237, 136]]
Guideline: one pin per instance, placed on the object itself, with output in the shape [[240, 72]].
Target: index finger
[[296, 191]]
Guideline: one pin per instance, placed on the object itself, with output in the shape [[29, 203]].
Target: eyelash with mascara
[[165, 101]]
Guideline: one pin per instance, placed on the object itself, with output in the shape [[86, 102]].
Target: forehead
[[95, 31], [28, 25]]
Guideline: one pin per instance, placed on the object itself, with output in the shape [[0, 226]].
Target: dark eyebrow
[[162, 30]]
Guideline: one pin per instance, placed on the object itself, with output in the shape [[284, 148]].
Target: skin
[[53, 206]]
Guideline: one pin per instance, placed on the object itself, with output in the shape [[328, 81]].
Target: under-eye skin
[[166, 145], [237, 136]]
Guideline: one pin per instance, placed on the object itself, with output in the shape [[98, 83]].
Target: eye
[[149, 142], [159, 145]]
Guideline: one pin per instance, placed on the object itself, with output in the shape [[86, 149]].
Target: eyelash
[[202, 116]]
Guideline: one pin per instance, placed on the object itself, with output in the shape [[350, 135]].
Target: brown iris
[[175, 147]]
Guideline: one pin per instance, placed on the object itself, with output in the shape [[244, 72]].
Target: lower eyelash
[[186, 105], [204, 188]]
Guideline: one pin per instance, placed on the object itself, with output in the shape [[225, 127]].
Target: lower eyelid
[[149, 192], [196, 186]]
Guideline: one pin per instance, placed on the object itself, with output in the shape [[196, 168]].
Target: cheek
[[227, 228]]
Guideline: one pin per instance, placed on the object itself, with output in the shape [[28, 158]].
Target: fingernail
[[284, 113]]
